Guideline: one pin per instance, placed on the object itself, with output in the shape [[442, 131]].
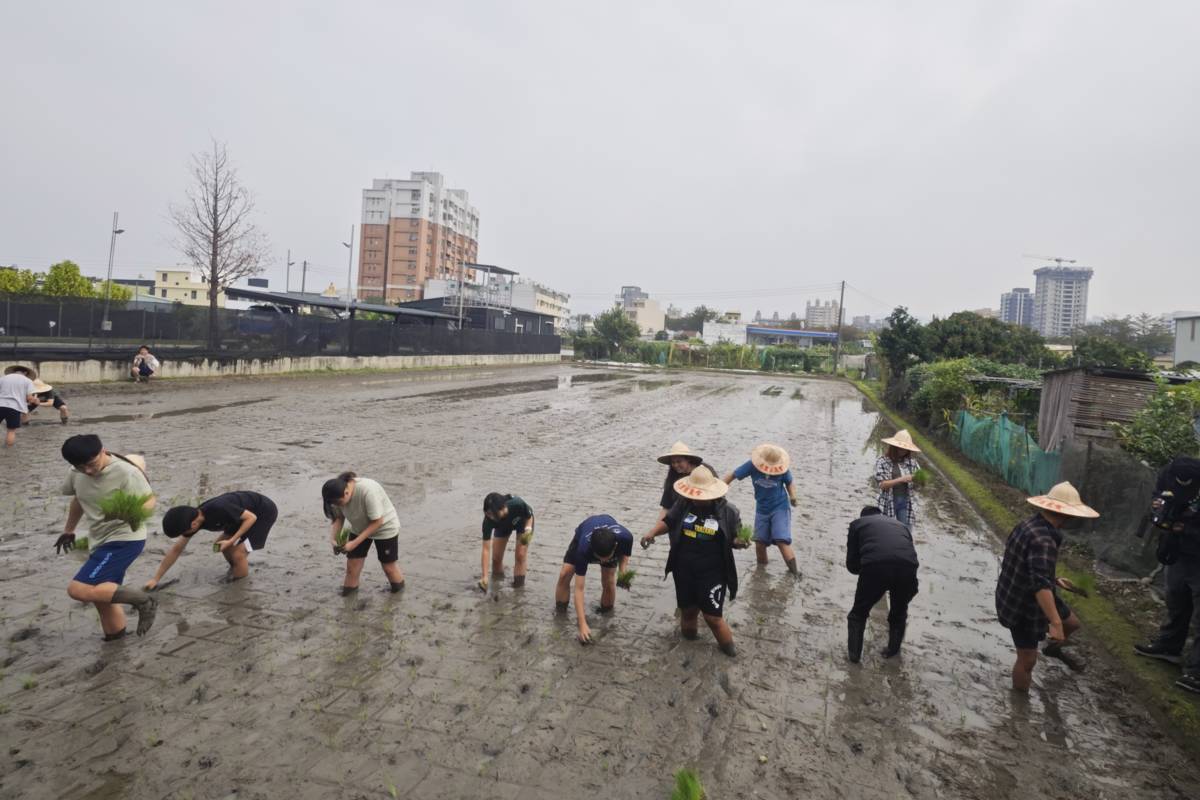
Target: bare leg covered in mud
[[107, 597], [238, 560], [689, 628], [520, 559], [1022, 671]]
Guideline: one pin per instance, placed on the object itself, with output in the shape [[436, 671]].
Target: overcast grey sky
[[727, 153]]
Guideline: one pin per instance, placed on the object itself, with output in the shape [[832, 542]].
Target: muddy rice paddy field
[[277, 687]]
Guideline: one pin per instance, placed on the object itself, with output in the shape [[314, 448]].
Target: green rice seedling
[[745, 534], [344, 536], [81, 543], [526, 538], [921, 478], [30, 682], [625, 578], [687, 786], [126, 507]]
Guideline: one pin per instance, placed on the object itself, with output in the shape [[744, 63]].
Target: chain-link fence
[[71, 328]]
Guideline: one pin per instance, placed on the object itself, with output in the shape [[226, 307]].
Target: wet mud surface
[[275, 686]]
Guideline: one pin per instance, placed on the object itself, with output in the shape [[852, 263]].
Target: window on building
[[412, 237], [193, 294], [414, 223], [164, 279], [164, 292], [412, 251]]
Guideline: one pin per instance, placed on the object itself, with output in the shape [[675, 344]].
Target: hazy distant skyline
[[744, 156]]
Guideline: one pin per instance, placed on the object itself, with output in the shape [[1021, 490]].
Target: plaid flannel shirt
[[1030, 559], [883, 472]]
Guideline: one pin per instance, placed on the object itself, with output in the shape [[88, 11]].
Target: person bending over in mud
[[702, 528], [504, 514], [243, 518], [1026, 601], [602, 540], [680, 462], [773, 491], [879, 550], [114, 543], [364, 505], [47, 395]]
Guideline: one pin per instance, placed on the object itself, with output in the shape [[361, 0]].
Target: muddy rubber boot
[[895, 639], [854, 644], [518, 581], [792, 568], [727, 648]]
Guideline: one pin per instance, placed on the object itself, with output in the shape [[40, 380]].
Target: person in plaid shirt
[[894, 471], [1026, 602]]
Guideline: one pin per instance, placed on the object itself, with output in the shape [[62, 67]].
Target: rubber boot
[[895, 639], [854, 644]]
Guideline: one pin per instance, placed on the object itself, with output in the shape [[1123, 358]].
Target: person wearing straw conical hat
[[773, 491], [680, 462], [16, 394], [702, 528], [1026, 601], [48, 396], [894, 471]]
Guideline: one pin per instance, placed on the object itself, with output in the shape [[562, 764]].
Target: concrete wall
[[96, 371]]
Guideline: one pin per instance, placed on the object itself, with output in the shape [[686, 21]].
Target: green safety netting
[[1009, 450]]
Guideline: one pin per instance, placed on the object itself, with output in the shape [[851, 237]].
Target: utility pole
[[349, 266], [837, 343], [462, 274], [303, 275], [106, 325], [287, 280]]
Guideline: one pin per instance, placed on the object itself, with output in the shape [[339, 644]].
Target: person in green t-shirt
[[504, 514], [114, 544], [362, 505]]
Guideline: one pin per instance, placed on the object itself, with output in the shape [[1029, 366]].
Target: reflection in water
[[177, 412]]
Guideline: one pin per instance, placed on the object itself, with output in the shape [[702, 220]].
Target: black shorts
[[703, 588], [257, 535], [11, 417], [505, 527], [387, 550], [1026, 634]]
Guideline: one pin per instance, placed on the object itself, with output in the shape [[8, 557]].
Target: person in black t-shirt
[[504, 514], [243, 518], [702, 528], [680, 462]]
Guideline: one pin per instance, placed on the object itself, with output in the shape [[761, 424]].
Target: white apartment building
[[533, 296], [646, 313], [1060, 300], [821, 315]]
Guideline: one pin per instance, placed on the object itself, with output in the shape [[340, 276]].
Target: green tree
[[616, 329], [17, 281], [117, 292], [693, 321], [965, 334], [1166, 427], [65, 280], [1097, 350], [902, 343]]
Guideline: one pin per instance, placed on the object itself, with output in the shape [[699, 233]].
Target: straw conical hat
[[1064, 499], [679, 449], [770, 459], [30, 371], [903, 440], [701, 485], [41, 386]]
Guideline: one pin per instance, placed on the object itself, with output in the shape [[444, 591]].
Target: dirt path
[[276, 687]]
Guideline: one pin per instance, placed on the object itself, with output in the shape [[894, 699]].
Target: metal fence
[[69, 328]]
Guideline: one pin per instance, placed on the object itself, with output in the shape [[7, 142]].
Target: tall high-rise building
[[413, 230], [1060, 300], [1016, 307]]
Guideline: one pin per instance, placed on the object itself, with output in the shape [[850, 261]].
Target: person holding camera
[[1176, 511]]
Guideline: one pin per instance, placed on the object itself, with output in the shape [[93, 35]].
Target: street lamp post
[[106, 325], [349, 266]]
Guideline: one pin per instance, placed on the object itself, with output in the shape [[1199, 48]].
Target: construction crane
[[1059, 261]]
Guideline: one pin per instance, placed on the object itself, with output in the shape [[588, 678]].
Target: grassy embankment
[[1103, 620]]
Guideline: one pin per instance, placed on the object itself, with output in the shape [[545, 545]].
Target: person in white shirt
[[145, 365], [16, 394]]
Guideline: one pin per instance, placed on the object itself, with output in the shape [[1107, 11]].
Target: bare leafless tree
[[215, 230]]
